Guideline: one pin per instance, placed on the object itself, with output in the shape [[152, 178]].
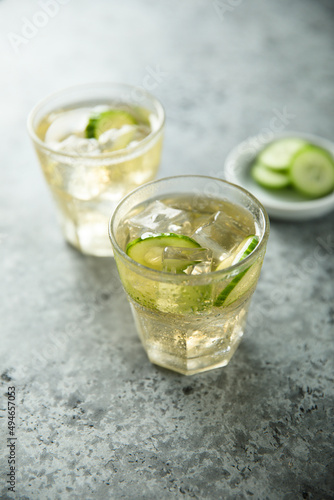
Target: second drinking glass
[[95, 144]]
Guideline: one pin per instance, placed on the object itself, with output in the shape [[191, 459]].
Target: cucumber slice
[[243, 281], [110, 119], [148, 250], [278, 154], [268, 178], [312, 172], [159, 295], [239, 286], [241, 252]]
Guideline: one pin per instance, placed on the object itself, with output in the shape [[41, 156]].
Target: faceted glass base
[[190, 344]]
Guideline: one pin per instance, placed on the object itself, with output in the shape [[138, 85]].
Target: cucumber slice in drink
[[148, 251], [159, 295], [243, 281], [110, 119], [241, 252], [312, 172], [268, 178], [239, 286], [278, 154]]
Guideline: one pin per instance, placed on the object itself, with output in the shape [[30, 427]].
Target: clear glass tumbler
[[86, 182], [188, 323]]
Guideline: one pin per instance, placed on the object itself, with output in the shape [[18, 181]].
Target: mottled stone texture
[[95, 420]]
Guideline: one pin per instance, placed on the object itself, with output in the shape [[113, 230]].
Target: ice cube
[[78, 146], [158, 218], [87, 183], [187, 260], [67, 123], [115, 139], [222, 233]]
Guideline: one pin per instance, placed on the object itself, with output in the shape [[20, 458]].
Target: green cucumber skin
[[223, 296], [159, 237], [91, 127], [226, 292], [252, 246]]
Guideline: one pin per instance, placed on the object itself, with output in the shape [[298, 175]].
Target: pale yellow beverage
[[95, 144], [189, 263]]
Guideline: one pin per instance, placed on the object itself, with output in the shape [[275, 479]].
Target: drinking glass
[[189, 323], [87, 185]]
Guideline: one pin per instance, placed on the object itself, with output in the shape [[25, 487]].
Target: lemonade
[[95, 144], [189, 264]]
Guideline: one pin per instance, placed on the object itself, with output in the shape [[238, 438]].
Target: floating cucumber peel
[[107, 120], [278, 154], [244, 280], [269, 178], [312, 172], [148, 251]]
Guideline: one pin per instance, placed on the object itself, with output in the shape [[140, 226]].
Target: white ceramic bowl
[[281, 204]]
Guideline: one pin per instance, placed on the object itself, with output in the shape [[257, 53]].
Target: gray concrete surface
[[95, 420]]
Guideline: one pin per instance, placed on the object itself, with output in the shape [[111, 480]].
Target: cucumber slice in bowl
[[278, 154], [107, 120], [312, 172], [245, 280], [287, 203], [269, 178]]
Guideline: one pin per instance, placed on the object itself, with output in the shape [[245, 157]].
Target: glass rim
[[154, 273], [122, 153]]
